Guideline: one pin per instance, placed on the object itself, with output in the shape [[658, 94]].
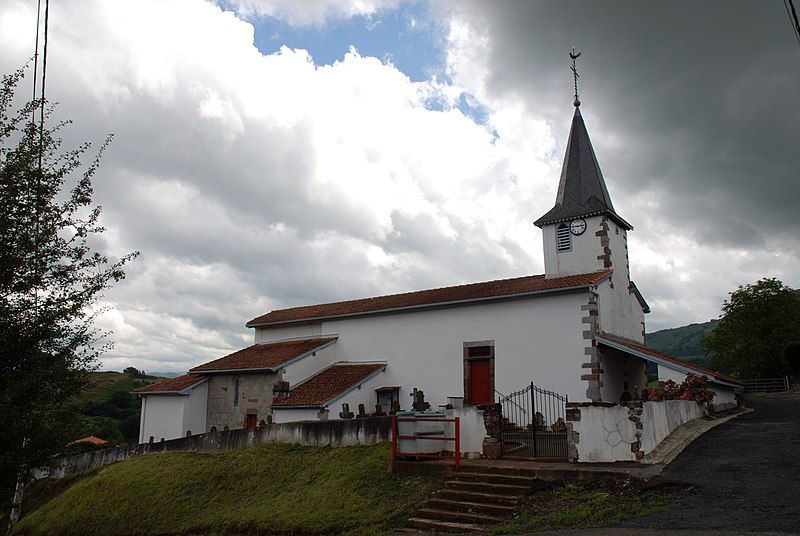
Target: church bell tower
[[582, 232]]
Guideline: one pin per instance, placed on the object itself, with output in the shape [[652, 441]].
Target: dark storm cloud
[[696, 101], [248, 182]]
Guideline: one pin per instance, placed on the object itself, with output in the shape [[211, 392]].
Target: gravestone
[[418, 398], [346, 413]]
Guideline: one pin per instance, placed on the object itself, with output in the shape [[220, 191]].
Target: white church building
[[577, 330]]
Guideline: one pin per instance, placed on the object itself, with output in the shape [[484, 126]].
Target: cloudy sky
[[278, 153]]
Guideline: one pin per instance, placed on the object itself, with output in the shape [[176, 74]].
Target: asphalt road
[[745, 474]]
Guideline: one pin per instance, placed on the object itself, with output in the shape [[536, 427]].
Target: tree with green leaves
[[758, 332], [51, 278]]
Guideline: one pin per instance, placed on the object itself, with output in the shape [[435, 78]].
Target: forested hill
[[109, 410], [683, 341]]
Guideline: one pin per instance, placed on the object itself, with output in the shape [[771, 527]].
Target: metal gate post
[[458, 444], [502, 414], [533, 422]]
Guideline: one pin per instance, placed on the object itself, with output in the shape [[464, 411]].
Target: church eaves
[[581, 189]]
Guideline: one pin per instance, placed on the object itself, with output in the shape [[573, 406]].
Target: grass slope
[[265, 489], [586, 505]]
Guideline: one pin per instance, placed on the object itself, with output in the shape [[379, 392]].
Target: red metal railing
[[396, 454]]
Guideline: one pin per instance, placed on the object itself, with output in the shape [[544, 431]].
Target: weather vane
[[575, 74]]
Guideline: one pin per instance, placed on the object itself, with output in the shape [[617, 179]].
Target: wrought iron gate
[[534, 424]]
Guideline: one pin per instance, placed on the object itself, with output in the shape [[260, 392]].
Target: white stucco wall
[[537, 339], [724, 395], [194, 410], [301, 369], [293, 415], [621, 313], [665, 373], [659, 419], [605, 434], [170, 416], [162, 416], [619, 368], [581, 259], [311, 330], [473, 430]]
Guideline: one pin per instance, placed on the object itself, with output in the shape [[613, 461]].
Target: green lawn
[[264, 489], [585, 506]]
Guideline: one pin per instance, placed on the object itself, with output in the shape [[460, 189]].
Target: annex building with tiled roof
[[577, 330]]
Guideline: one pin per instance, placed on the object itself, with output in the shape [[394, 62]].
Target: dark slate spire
[[581, 190]]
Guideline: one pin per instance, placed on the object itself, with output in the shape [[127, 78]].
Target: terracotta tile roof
[[172, 385], [264, 356], [387, 388], [328, 384], [667, 357], [91, 440], [426, 298]]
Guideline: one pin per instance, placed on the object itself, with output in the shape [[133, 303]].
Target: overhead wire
[[36, 55], [790, 10], [44, 81]]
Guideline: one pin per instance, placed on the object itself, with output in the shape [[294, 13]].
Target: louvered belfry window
[[563, 238]]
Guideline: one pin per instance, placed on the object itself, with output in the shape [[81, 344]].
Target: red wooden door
[[251, 421], [480, 386]]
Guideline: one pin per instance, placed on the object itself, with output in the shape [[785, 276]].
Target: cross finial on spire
[[575, 74]]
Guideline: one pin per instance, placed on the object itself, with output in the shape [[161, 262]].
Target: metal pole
[[533, 422], [394, 441], [458, 444]]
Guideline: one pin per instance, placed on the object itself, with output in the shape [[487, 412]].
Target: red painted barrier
[[396, 454]]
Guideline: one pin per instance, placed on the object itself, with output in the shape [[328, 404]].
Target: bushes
[[692, 388]]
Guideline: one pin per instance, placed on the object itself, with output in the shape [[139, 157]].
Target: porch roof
[[172, 386], [328, 384], [655, 356], [265, 356]]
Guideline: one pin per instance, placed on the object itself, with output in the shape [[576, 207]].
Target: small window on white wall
[[563, 238], [386, 395]]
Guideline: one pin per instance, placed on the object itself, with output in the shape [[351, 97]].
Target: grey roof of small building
[[581, 190]]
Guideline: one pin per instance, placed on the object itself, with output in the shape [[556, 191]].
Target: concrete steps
[[487, 487], [463, 504], [519, 480], [473, 500], [459, 517], [473, 496], [443, 526]]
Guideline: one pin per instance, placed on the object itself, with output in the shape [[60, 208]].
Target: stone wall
[[341, 433], [605, 432], [225, 408]]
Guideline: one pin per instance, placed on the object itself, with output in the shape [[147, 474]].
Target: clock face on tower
[[577, 227]]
